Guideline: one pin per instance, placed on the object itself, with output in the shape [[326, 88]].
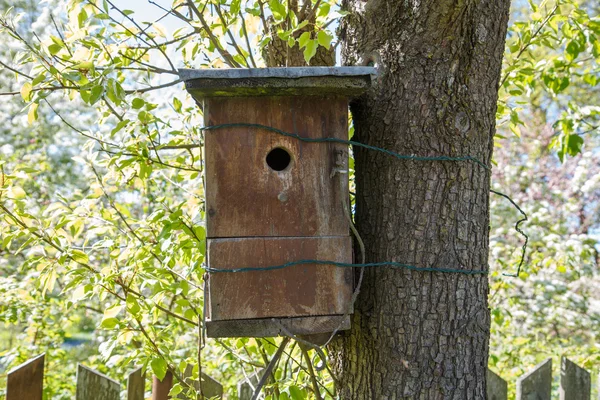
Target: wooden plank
[[210, 387], [575, 382], [92, 385], [136, 385], [246, 198], [497, 388], [536, 384], [160, 389], [268, 328], [26, 381], [297, 291]]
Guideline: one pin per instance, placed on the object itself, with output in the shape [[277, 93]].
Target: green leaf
[[310, 50], [278, 9], [137, 103], [54, 48], [96, 94], [324, 10], [296, 393], [234, 9], [32, 115], [303, 39], [80, 256], [109, 323], [324, 39], [574, 145], [26, 91], [159, 367], [177, 104], [132, 305], [16, 192]]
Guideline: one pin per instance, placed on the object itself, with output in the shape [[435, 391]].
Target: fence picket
[[247, 386], [210, 387], [136, 385], [536, 384], [497, 388], [575, 382], [26, 381], [92, 385], [160, 389]]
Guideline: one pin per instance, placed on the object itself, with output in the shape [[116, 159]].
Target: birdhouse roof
[[293, 81]]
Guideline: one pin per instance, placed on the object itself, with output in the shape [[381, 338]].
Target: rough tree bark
[[422, 335]]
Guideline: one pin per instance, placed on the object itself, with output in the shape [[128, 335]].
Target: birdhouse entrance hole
[[278, 159]]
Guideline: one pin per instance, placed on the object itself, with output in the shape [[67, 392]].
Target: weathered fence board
[[26, 381], [160, 389], [92, 385], [497, 388], [136, 382], [575, 382], [210, 387], [536, 384], [247, 386]]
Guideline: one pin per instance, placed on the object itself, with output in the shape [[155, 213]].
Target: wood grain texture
[[301, 290], [268, 328], [575, 382], [136, 382], [246, 198], [26, 381], [92, 385], [210, 387], [497, 388], [536, 384], [161, 389]]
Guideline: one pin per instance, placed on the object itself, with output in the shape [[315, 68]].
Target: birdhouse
[[273, 199]]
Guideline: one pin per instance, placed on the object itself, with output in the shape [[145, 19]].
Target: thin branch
[[224, 53], [522, 50], [247, 40], [151, 88], [311, 373], [231, 37], [16, 71], [267, 372]]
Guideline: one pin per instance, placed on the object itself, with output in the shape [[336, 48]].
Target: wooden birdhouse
[[273, 199]]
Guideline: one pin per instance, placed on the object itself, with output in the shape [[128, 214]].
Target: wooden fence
[[26, 382]]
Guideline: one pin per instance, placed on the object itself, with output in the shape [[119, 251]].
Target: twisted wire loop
[[391, 264]]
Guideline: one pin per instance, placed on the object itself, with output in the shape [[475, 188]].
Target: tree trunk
[[423, 335]]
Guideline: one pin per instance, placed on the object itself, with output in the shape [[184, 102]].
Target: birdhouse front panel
[[261, 183]]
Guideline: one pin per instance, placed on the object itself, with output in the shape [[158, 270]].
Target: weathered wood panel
[[26, 381], [575, 382], [300, 290], [497, 388], [92, 385], [161, 389], [245, 197], [536, 384], [210, 387], [268, 328], [136, 382]]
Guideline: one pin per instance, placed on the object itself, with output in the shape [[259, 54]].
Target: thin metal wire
[[391, 264]]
